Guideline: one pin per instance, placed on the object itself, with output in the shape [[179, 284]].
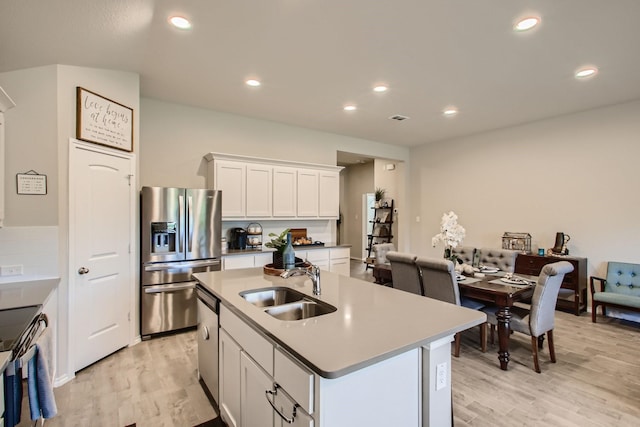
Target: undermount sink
[[268, 297], [301, 310], [287, 304]]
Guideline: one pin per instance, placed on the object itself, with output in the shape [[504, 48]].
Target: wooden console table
[[573, 294]]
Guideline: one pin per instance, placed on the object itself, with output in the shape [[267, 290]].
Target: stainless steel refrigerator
[[180, 235]]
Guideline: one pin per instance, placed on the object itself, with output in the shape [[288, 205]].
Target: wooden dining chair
[[406, 275], [540, 319], [439, 281]]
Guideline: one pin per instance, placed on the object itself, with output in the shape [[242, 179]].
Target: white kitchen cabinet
[[233, 262], [319, 257], [229, 380], [230, 178], [256, 411], [307, 203], [259, 193], [268, 188], [284, 191], [238, 261], [339, 261], [329, 194], [324, 402]]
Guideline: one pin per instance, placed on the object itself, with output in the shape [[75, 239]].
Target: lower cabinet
[[262, 384], [229, 366], [256, 411], [247, 387]]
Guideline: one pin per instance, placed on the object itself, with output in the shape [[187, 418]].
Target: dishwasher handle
[[169, 288]]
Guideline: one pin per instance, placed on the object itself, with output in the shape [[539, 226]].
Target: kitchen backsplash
[[319, 230], [33, 248]]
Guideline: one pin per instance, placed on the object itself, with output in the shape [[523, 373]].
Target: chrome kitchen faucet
[[314, 274]]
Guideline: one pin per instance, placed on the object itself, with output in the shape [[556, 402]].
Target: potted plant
[[379, 194], [278, 242]]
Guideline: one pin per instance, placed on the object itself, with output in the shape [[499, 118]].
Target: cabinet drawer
[[296, 380], [336, 253], [249, 339], [238, 261], [317, 255]]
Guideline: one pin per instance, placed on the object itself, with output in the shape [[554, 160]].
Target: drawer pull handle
[[274, 392]]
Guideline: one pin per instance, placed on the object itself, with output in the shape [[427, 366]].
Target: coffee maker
[[560, 247], [238, 238]]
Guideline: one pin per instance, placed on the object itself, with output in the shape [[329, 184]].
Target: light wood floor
[[596, 381]]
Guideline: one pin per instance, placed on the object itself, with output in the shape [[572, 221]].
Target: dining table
[[493, 287]]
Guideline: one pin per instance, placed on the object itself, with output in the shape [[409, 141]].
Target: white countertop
[[32, 291], [372, 322], [232, 252]]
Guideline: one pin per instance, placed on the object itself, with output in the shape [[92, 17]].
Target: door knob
[[83, 270]]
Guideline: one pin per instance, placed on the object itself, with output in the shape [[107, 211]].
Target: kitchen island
[[382, 358]]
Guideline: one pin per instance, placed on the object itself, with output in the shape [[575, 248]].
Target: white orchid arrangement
[[451, 233]]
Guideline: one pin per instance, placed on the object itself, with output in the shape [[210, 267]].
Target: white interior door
[[100, 229]]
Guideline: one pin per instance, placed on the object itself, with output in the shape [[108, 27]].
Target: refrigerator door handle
[[174, 265], [190, 223], [181, 223], [169, 288]]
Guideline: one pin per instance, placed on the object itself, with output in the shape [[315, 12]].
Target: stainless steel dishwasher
[[208, 324]]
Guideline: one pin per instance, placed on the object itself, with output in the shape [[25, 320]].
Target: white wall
[[175, 138], [30, 143], [37, 137], [577, 174]]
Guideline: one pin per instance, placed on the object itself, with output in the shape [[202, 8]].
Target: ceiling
[[315, 56]]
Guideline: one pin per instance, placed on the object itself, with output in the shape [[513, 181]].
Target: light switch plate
[[441, 376]]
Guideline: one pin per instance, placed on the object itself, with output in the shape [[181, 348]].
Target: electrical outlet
[[441, 376], [10, 270]]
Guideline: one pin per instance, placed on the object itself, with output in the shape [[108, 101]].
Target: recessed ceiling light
[[380, 88], [180, 22], [253, 83], [450, 111], [586, 72], [526, 23], [350, 107]]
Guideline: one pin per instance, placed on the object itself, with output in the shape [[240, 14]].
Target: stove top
[[14, 322]]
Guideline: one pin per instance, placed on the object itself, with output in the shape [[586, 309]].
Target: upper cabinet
[[273, 189]]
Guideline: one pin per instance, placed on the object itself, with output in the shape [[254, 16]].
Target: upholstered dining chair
[[464, 253], [540, 319], [504, 259], [406, 275], [439, 280]]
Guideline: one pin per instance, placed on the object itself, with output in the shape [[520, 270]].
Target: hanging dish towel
[[42, 402], [12, 394]]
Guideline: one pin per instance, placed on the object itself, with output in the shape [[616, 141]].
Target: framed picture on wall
[[103, 121]]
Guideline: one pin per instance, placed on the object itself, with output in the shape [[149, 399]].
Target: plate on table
[[460, 277], [488, 270], [514, 281]]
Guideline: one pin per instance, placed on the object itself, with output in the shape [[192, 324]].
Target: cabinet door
[[256, 410], [307, 193], [238, 261], [285, 405], [263, 259], [229, 380], [259, 190], [329, 194], [284, 192], [230, 178]]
